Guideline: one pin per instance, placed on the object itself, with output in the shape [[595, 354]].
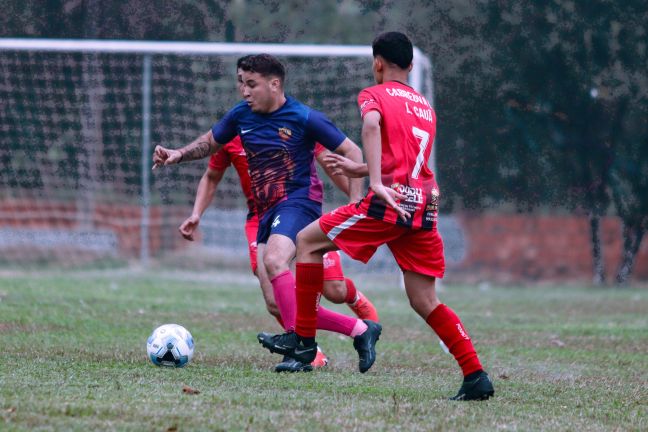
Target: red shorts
[[358, 235], [332, 266], [251, 228]]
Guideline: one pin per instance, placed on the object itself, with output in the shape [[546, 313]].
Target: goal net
[[79, 121]]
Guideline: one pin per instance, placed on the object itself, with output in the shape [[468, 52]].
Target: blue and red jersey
[[279, 148]]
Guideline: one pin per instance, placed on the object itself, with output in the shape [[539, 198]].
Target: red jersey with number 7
[[407, 129]]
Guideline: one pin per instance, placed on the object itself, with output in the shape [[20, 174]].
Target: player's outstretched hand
[[165, 156], [339, 165], [189, 226], [390, 196]]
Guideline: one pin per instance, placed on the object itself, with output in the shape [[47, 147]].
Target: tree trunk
[[597, 249], [632, 236]]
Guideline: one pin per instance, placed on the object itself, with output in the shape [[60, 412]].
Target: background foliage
[[542, 106]]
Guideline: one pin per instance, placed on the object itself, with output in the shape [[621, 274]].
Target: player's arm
[[204, 196], [338, 180], [323, 131], [199, 148], [371, 141], [351, 151], [338, 165]]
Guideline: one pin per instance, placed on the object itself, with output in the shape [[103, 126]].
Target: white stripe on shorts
[[344, 225]]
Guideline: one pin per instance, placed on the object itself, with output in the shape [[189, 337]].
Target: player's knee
[[304, 245], [423, 304], [274, 265], [335, 291], [302, 239]]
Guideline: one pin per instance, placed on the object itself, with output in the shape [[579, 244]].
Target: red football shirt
[[408, 128], [233, 153], [319, 148]]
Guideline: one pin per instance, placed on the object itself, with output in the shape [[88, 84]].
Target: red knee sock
[[448, 326], [351, 291], [310, 281]]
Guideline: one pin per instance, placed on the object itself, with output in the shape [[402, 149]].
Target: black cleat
[[365, 345], [479, 388], [289, 364], [288, 344]]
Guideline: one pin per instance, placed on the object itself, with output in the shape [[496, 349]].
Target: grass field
[[562, 358]]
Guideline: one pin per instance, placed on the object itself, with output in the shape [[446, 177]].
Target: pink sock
[[359, 328], [283, 287], [336, 322]]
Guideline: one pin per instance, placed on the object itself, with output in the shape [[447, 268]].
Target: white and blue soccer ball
[[170, 345]]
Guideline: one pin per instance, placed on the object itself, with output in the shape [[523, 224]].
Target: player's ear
[[275, 84], [378, 64], [409, 68]]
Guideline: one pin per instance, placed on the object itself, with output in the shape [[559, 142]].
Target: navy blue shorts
[[288, 218]]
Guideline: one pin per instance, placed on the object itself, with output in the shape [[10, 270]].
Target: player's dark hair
[[394, 47], [264, 64], [241, 60]]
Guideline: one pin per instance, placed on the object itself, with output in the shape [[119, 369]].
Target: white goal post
[[79, 118]]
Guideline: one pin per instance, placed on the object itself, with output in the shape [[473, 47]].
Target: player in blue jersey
[[279, 135]]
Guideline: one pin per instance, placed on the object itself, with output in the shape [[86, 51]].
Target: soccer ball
[[170, 345]]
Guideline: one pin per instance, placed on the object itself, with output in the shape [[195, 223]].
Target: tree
[[629, 185], [577, 68]]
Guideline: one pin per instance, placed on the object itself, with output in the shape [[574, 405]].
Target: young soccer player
[[279, 134], [400, 209]]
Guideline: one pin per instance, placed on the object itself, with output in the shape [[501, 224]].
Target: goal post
[[79, 119]]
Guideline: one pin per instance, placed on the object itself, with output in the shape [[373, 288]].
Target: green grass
[[562, 358]]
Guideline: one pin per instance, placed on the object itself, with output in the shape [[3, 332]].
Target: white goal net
[[79, 120]]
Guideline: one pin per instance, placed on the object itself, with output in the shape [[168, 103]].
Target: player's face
[[261, 93]]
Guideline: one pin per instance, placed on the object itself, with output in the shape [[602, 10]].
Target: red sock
[[351, 291], [448, 326], [310, 282]]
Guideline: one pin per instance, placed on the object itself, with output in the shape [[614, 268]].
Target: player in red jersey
[[400, 210]]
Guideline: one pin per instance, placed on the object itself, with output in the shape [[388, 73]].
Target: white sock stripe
[[344, 225]]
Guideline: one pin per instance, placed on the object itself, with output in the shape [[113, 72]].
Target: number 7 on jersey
[[423, 138]]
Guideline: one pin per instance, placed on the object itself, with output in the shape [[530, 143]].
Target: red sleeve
[[220, 160], [368, 102], [319, 148]]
